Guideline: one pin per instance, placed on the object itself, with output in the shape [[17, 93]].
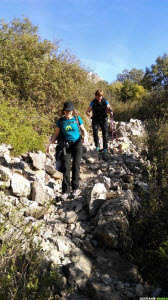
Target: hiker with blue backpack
[[70, 146], [99, 107]]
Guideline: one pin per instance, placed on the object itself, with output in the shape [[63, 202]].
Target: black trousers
[[103, 124], [74, 152]]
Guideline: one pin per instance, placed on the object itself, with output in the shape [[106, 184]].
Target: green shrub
[[149, 228], [22, 127], [130, 91], [125, 111], [35, 70]]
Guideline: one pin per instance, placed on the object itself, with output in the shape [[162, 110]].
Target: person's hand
[[89, 115], [49, 148], [85, 140], [111, 113]]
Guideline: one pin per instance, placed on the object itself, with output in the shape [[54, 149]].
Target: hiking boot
[[75, 193], [105, 151], [64, 196]]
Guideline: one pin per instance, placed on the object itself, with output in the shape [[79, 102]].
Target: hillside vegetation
[[36, 78]]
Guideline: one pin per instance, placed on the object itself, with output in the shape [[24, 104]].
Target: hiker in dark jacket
[[99, 107], [70, 129]]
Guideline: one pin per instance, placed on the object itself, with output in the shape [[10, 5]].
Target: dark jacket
[[99, 109]]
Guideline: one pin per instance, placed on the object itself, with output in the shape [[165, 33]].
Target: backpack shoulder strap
[[60, 122], [60, 137], [77, 121]]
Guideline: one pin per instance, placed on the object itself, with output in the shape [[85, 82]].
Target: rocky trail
[[88, 237]]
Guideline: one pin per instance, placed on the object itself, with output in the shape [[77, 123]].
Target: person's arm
[[85, 136], [53, 139], [88, 111]]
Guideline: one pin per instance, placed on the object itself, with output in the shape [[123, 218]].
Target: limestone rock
[[78, 207], [96, 197], [106, 181], [20, 185], [98, 291], [50, 252], [13, 200], [70, 217], [78, 231], [5, 173], [128, 178], [112, 223], [79, 271], [38, 160], [5, 153], [41, 193], [64, 245], [87, 247], [139, 290], [50, 169], [40, 174], [59, 228], [57, 175]]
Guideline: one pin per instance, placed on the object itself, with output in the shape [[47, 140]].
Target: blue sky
[[108, 36]]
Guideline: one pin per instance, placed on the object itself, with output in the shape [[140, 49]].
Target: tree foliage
[[126, 91], [37, 71], [131, 91], [134, 75], [115, 90], [157, 75]]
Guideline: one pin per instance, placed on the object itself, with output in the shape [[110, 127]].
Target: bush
[[149, 233], [115, 89], [23, 128], [151, 225], [131, 91], [125, 111]]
